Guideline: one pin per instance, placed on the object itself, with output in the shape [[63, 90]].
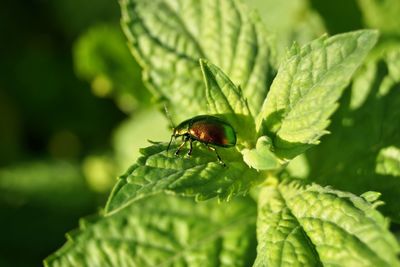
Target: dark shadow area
[[46, 113], [40, 95], [346, 159], [339, 16]]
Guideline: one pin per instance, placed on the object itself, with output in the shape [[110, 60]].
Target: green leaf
[[368, 75], [315, 226], [373, 198], [298, 167], [168, 37], [45, 184], [305, 91], [39, 201], [393, 60], [347, 159], [102, 58], [165, 231], [262, 157], [200, 176], [226, 100], [289, 21], [363, 82], [133, 133], [382, 15], [388, 161]]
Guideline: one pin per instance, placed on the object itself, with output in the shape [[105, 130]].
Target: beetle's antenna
[[169, 116], [172, 125]]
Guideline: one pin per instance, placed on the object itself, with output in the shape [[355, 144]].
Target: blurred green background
[[74, 111]]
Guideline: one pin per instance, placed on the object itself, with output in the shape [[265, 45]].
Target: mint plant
[[214, 57]]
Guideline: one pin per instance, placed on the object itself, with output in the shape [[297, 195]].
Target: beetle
[[206, 129]]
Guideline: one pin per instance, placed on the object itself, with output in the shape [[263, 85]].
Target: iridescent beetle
[[206, 129]]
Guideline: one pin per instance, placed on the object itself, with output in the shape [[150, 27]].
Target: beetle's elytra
[[206, 129]]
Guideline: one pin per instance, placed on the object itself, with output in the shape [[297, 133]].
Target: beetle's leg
[[186, 138], [190, 147], [216, 153], [170, 141]]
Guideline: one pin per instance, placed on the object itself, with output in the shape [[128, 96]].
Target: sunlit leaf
[[305, 91], [226, 100], [382, 15], [168, 37], [262, 157], [388, 161], [200, 176], [315, 226], [165, 231]]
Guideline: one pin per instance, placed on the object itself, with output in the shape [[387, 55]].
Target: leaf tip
[[203, 61], [369, 37], [203, 64], [371, 196], [205, 69]]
